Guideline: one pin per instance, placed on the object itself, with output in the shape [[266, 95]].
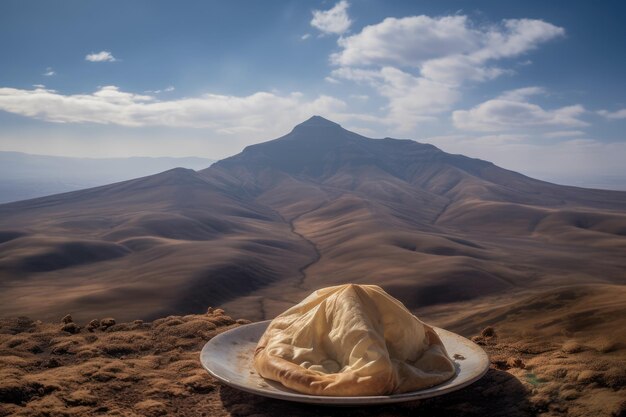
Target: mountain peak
[[317, 121]]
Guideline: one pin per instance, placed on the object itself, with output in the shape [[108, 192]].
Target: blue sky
[[533, 86]]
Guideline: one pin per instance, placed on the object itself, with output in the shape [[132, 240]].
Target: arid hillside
[[256, 232], [465, 244]]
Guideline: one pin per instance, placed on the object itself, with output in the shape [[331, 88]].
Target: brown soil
[[152, 369]]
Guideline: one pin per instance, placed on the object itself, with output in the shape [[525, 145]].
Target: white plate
[[228, 358]]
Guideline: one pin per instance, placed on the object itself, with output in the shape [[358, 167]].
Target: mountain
[[258, 231], [24, 176]]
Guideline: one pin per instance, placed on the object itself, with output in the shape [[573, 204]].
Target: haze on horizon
[[534, 87]]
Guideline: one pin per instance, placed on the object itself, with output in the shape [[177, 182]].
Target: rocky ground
[[152, 369]]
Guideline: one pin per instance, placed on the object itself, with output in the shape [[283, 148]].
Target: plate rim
[[343, 400]]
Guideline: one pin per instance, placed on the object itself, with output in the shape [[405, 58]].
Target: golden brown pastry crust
[[351, 340]]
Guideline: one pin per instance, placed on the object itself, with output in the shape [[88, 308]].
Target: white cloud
[[410, 99], [356, 74], [335, 20], [619, 114], [456, 69], [331, 80], [420, 63], [416, 40], [498, 114], [521, 94], [102, 56], [49, 72], [408, 41], [165, 90], [305, 36], [223, 114], [361, 97], [413, 99], [517, 37], [511, 111]]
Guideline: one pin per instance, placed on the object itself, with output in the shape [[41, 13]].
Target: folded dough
[[351, 340]]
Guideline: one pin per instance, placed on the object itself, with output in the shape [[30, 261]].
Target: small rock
[[107, 322], [243, 321], [218, 312], [72, 328], [93, 324], [67, 319], [488, 332], [137, 321], [209, 310]]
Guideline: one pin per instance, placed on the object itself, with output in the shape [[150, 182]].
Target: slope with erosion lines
[[428, 226], [319, 206], [176, 241]]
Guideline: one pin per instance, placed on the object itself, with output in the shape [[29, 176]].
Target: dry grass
[[152, 369]]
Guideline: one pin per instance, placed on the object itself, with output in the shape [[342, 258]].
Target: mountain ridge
[[25, 176], [319, 206]]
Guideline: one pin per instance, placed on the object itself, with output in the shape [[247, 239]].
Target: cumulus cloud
[[335, 20], [222, 113], [416, 40], [413, 99], [619, 114], [511, 111], [410, 99], [49, 72], [408, 41], [420, 63], [102, 56]]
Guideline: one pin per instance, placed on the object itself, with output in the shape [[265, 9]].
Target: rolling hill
[[258, 231]]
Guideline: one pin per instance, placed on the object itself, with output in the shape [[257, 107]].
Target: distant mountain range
[[321, 205], [24, 176]]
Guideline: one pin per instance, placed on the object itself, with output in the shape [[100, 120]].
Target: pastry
[[352, 340]]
